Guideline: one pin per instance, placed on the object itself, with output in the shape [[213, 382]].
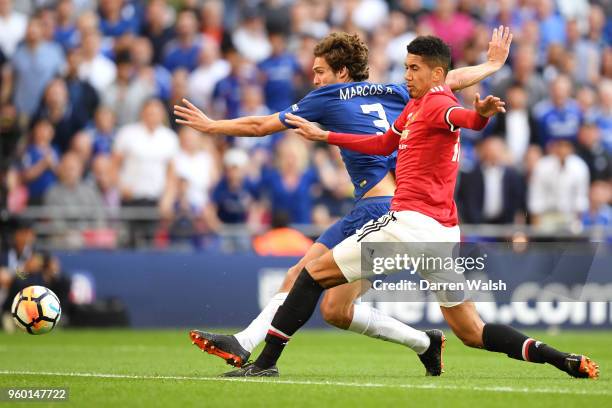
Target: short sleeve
[[438, 109], [121, 142], [311, 108]]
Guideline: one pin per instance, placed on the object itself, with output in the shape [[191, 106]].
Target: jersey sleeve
[[311, 108], [445, 113]]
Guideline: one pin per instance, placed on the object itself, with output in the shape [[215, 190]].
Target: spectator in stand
[[211, 69], [144, 151], [586, 97], [178, 92], [10, 134], [587, 50], [516, 124], [39, 163], [279, 72], [145, 70], [559, 186], [252, 104], [234, 196], [454, 27], [212, 21], [227, 92], [127, 94], [113, 22], [552, 25], [97, 69], [492, 192], [194, 167], [289, 182], [250, 38], [592, 151], [65, 118], [183, 52], [66, 33], [600, 211], [21, 244], [81, 145], [157, 28], [83, 96], [12, 26], [73, 198], [523, 73], [558, 117], [103, 132], [35, 63], [47, 22], [105, 182]]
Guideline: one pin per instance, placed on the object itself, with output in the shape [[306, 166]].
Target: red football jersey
[[428, 156], [426, 135]]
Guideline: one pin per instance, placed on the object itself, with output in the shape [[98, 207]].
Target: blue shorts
[[366, 209]]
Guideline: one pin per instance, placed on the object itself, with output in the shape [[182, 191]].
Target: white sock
[[373, 323], [256, 332]]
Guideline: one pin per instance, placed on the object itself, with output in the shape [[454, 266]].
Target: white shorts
[[399, 227]]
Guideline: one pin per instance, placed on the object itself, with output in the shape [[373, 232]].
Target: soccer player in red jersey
[[426, 136]]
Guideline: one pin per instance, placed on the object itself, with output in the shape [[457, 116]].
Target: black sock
[[291, 315], [504, 339]]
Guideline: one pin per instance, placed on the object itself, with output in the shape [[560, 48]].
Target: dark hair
[[433, 50], [345, 50]]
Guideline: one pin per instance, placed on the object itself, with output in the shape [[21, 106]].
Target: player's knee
[[336, 313]]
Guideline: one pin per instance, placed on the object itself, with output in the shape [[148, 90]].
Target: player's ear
[[438, 74], [343, 74]]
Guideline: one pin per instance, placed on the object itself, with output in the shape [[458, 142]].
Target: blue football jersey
[[355, 107]]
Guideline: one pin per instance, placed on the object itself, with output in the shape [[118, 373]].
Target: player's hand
[[193, 117], [499, 46], [489, 106], [307, 129]]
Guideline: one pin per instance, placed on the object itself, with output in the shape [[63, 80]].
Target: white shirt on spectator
[[556, 188], [370, 14], [493, 177], [196, 169], [202, 82], [13, 30], [254, 45], [517, 134], [146, 156], [100, 72]]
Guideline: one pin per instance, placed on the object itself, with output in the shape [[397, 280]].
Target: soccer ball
[[36, 310]]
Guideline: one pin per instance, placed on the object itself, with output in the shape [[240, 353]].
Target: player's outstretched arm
[[368, 144], [190, 115], [499, 48], [478, 118]]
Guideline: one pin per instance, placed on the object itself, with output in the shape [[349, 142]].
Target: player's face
[[323, 74], [418, 76]]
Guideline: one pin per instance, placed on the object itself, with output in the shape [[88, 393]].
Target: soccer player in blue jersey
[[342, 102]]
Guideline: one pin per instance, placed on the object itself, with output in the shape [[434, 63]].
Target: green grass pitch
[[319, 368]]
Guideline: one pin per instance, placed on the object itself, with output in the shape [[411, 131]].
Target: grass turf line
[[319, 368]]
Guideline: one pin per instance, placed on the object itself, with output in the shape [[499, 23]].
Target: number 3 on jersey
[[381, 123]]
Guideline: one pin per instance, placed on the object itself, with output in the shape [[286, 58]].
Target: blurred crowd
[[87, 89]]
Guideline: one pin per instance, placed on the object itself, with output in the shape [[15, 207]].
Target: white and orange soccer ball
[[36, 310]]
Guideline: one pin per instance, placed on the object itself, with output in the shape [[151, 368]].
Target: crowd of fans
[[87, 90]]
